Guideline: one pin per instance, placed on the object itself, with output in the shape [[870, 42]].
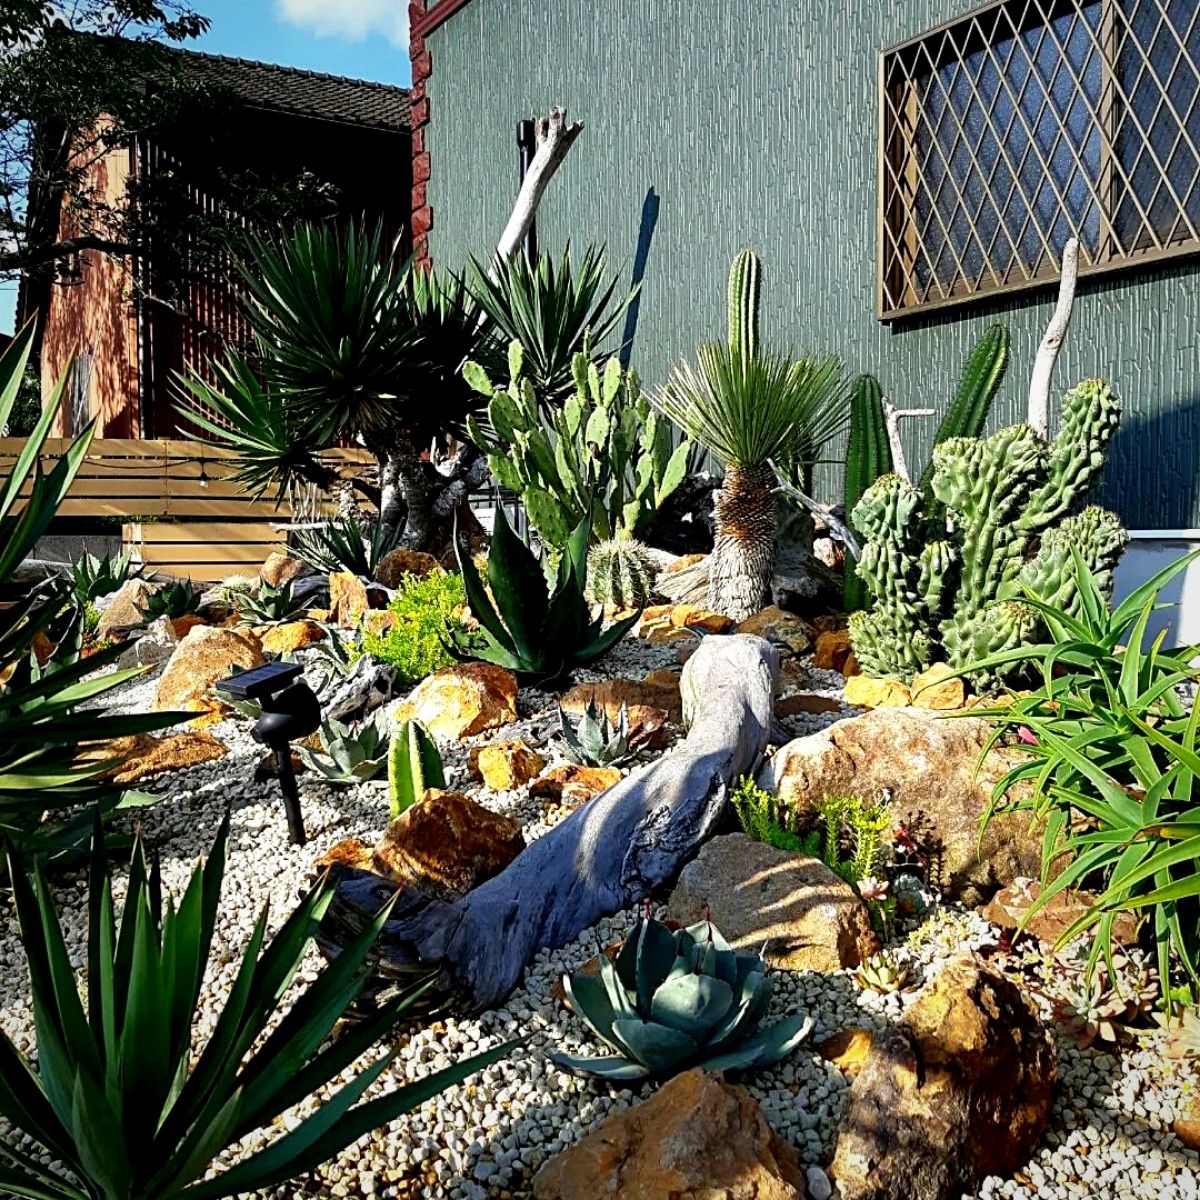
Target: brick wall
[[422, 66]]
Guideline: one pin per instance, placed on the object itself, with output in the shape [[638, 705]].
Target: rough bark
[[743, 557], [1052, 340], [607, 855]]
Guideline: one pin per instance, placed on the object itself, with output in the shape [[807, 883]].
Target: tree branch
[[33, 256], [1052, 340]]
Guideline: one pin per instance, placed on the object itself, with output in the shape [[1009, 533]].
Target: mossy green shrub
[[424, 608]]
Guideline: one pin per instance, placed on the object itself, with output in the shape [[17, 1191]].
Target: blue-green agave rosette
[[678, 999]]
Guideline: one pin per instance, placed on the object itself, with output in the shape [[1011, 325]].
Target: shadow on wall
[[641, 257]]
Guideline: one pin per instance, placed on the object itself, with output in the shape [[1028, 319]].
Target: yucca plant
[[1110, 765], [174, 599], [267, 604], [347, 544], [126, 1104], [678, 999], [351, 753], [751, 409], [43, 731], [538, 632], [553, 310], [93, 576]]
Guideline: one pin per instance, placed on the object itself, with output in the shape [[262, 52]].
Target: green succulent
[[596, 741], [94, 576], [414, 766], [267, 605], [621, 574], [174, 599], [678, 999], [351, 753], [538, 632], [346, 545], [884, 974]]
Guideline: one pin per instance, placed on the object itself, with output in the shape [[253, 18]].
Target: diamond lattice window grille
[[1025, 122]]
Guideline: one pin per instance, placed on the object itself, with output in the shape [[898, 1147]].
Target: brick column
[[421, 219]]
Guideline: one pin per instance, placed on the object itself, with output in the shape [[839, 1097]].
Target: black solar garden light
[[290, 711]]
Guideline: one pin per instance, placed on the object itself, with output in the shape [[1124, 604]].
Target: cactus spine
[[621, 574], [414, 766], [744, 289]]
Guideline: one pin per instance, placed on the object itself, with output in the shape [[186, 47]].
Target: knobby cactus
[[621, 574], [604, 451], [953, 588]]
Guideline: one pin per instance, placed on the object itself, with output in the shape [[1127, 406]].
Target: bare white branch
[[1052, 340]]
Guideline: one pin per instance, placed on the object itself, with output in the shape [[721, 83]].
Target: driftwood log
[[605, 857]]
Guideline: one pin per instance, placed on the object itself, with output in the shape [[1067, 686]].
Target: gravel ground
[[1109, 1137]]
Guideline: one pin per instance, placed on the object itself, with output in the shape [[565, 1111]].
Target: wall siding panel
[[756, 124]]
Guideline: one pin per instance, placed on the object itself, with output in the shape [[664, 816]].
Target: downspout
[[526, 149]]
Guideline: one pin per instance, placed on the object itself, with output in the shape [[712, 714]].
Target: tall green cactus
[[868, 458], [948, 585], [745, 287], [603, 451], [414, 766]]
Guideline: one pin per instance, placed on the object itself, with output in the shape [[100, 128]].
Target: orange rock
[[832, 649], [290, 637], [863, 691], [935, 688], [1187, 1129], [462, 700], [847, 1050], [851, 665], [144, 755], [279, 568], [378, 621], [349, 852], [682, 563], [573, 782], [505, 766], [788, 631], [206, 656], [446, 844], [692, 616], [397, 563], [349, 600], [182, 626], [696, 1138], [643, 699]]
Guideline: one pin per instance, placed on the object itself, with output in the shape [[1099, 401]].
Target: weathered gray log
[[605, 857]]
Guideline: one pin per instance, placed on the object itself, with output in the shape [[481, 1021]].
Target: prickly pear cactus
[[621, 574], [603, 451], [954, 591]]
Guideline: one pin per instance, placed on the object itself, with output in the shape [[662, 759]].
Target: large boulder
[[394, 565], [929, 767], [123, 609], [446, 844], [696, 1138], [204, 657], [808, 918], [280, 568], [462, 700], [349, 600], [959, 1089]]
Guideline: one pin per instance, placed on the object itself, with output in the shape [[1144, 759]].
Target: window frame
[[894, 221]]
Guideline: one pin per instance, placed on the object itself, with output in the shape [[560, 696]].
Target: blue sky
[[367, 39]]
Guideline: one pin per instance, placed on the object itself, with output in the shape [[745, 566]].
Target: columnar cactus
[[414, 766], [745, 287], [604, 451], [952, 589], [621, 574]]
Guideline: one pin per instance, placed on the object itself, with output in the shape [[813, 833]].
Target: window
[[1026, 122]]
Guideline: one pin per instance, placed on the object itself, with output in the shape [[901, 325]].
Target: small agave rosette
[[678, 999]]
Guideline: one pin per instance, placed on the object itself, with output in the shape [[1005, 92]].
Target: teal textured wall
[[755, 124]]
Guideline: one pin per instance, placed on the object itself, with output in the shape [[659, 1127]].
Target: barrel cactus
[[621, 574], [672, 1000]]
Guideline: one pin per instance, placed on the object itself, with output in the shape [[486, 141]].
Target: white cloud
[[353, 19]]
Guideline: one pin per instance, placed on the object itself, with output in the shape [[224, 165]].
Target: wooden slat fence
[[176, 502]]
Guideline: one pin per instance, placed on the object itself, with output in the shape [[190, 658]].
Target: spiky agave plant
[[351, 753], [751, 408], [596, 741], [678, 999], [128, 1103]]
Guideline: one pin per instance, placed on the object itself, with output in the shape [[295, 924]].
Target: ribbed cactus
[[951, 586], [621, 574], [414, 766], [603, 451], [868, 458], [745, 286]]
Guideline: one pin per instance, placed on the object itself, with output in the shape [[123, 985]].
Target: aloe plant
[[538, 632], [674, 1000], [350, 753], [124, 1102]]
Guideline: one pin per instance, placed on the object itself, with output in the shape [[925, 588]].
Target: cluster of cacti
[[678, 999], [869, 451], [603, 451], [414, 766], [951, 585], [594, 739], [621, 574]]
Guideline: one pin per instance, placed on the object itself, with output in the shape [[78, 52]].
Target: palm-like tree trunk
[[743, 557]]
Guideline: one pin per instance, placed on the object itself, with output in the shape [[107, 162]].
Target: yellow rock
[[290, 637], [505, 766], [935, 688], [863, 691]]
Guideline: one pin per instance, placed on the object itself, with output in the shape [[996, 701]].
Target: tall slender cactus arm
[[554, 137], [1052, 340], [892, 416]]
